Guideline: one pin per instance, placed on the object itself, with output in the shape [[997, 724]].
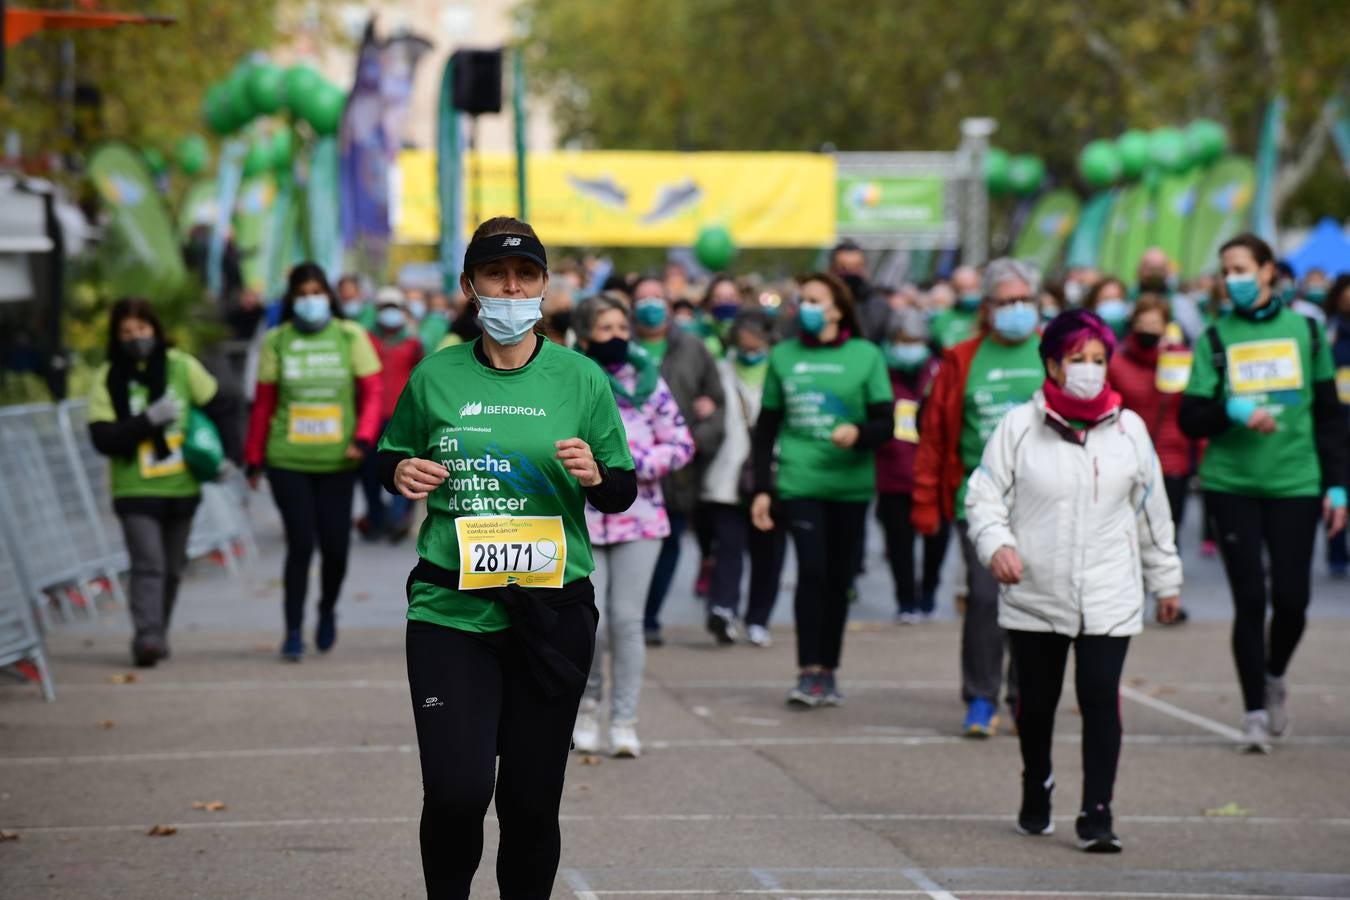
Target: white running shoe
[[1255, 732], [623, 742], [759, 636], [907, 618], [1277, 705], [586, 733]]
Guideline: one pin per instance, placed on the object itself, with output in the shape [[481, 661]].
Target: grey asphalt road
[[735, 795]]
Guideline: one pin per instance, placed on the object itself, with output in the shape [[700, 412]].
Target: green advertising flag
[[890, 204], [1222, 205], [198, 206], [1047, 229], [1267, 168], [251, 216], [321, 206], [279, 247], [1127, 232], [1174, 206], [1085, 246], [139, 254]]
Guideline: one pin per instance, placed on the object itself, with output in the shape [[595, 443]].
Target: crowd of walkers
[[567, 428]]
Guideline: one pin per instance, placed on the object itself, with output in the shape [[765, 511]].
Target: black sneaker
[[147, 651], [1094, 830], [1034, 817], [652, 637], [722, 625], [809, 692], [830, 689]]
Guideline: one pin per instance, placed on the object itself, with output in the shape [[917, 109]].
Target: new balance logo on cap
[[511, 242]]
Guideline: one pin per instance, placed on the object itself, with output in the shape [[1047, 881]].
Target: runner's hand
[[1262, 421], [759, 512], [845, 436], [415, 478], [354, 451], [1006, 566], [575, 455], [704, 407], [164, 410], [1333, 516], [1168, 608]]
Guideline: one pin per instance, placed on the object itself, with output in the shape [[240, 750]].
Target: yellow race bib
[[1174, 371], [315, 423], [1343, 384], [907, 421], [1260, 367], [495, 551], [161, 468]]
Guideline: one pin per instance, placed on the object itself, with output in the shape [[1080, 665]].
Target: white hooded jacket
[[1087, 514]]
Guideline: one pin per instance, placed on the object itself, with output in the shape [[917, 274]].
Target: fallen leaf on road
[[124, 678], [8, 836], [1228, 810], [210, 805], [107, 723], [1135, 682], [590, 760], [162, 831]]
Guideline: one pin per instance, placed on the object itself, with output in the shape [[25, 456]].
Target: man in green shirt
[[959, 321], [980, 380]]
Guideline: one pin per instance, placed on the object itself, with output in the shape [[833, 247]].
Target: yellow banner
[[636, 199]]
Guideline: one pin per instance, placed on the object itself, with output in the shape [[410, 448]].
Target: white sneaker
[[586, 733], [1277, 700], [623, 742], [907, 618], [1255, 732], [759, 636]]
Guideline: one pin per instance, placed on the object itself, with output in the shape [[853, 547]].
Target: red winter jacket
[[938, 471], [1133, 373], [895, 458], [399, 355]]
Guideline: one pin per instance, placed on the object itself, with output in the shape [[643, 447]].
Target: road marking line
[[766, 879], [577, 882], [1184, 715]]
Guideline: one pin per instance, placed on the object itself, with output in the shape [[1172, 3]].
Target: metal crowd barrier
[[62, 550]]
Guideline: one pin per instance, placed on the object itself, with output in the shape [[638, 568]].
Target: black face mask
[[140, 348], [1147, 339], [858, 285], [560, 321], [613, 352]]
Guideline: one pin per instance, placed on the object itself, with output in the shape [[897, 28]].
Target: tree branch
[[1291, 175]]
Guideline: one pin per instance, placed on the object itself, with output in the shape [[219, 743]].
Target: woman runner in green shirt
[[828, 404], [1263, 391], [506, 438]]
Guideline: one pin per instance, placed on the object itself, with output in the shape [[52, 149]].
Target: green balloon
[[714, 248], [1134, 153], [1207, 140], [216, 109], [154, 160], [241, 105], [265, 88], [192, 154], [283, 149], [1099, 164], [1167, 150], [298, 84], [258, 159], [1025, 174], [996, 174], [324, 109]]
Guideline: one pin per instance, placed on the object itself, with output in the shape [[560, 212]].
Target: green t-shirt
[[1001, 376], [952, 326], [432, 330], [656, 349], [494, 431], [1271, 364], [819, 388], [145, 475], [315, 374]]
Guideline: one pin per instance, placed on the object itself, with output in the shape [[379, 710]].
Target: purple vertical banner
[[369, 140]]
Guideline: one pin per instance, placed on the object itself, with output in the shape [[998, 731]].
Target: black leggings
[[734, 537], [1287, 528], [315, 508], [828, 536], [893, 514], [1041, 658], [474, 702], [1176, 487]]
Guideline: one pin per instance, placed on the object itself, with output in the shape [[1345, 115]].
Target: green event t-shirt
[[494, 431], [656, 349], [1271, 364], [818, 389], [952, 326], [144, 475], [1001, 376], [315, 418]]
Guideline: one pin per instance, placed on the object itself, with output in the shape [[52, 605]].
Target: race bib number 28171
[[495, 551]]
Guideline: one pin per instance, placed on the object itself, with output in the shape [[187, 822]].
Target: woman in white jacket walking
[[1069, 512]]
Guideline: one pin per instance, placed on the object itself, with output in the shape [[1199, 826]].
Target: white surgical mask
[[1084, 380], [507, 320], [391, 318]]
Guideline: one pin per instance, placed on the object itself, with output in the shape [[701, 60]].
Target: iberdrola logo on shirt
[[476, 408], [472, 408]]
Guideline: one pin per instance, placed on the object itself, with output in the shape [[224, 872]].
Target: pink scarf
[[1071, 407]]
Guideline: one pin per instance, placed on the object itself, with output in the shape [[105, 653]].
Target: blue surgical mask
[[417, 309], [1315, 294], [969, 302], [1243, 290], [907, 357], [391, 318], [352, 308], [811, 318], [650, 312], [751, 359], [507, 321], [1016, 322], [725, 312], [1113, 312], [312, 311]]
